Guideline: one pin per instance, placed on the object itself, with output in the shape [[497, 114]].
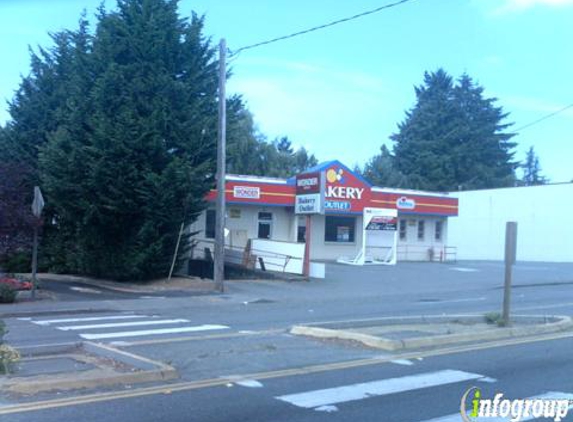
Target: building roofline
[[410, 192], [260, 179], [456, 192]]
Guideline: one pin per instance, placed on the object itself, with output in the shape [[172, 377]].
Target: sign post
[[309, 200], [510, 256], [37, 207]]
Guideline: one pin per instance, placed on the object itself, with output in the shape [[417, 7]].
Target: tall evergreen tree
[[381, 170], [454, 137], [16, 219], [532, 170], [124, 121]]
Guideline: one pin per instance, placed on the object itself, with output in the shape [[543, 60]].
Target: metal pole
[[219, 262], [35, 261], [510, 257], [306, 263]]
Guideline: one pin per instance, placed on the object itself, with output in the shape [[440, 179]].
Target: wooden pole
[[219, 261], [176, 251]]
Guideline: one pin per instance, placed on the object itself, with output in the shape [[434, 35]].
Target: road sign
[[309, 193], [38, 204]]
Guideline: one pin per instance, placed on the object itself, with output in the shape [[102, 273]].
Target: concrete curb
[[142, 370], [558, 324]]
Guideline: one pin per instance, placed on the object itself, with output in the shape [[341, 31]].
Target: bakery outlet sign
[[309, 193], [335, 190], [344, 191]]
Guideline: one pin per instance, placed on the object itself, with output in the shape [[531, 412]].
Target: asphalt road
[[428, 389], [244, 332]]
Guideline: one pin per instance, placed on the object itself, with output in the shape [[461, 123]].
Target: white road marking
[[441, 302], [464, 270], [139, 333], [331, 396], [85, 290], [122, 324], [552, 395], [404, 362], [327, 409], [101, 318], [249, 383], [120, 343]]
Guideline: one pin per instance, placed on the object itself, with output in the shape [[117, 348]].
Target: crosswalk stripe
[[138, 333], [330, 396], [122, 324], [553, 395], [101, 318]]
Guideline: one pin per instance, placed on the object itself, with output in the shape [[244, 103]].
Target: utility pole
[[219, 261]]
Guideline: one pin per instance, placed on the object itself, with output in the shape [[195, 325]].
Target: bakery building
[[276, 210]]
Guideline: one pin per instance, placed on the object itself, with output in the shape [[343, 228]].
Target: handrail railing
[[243, 256]]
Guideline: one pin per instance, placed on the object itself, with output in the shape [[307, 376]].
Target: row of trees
[[118, 126]]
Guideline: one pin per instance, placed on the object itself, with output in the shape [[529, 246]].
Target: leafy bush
[[494, 318], [7, 294], [8, 355]]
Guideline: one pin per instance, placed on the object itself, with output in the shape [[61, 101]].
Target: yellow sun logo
[[334, 176]]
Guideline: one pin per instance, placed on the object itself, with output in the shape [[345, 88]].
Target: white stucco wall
[[543, 215], [413, 249], [284, 228], [246, 225], [322, 250]]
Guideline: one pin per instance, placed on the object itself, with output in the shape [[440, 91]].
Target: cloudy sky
[[341, 91]]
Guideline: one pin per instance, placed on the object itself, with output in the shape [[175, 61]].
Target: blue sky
[[340, 92]]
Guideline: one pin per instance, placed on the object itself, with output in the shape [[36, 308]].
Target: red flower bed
[[16, 284]]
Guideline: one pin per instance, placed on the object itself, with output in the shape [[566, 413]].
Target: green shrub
[[7, 294], [19, 262], [8, 357], [2, 331], [494, 318]]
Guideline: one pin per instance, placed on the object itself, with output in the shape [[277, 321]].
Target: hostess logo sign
[[404, 203], [344, 191]]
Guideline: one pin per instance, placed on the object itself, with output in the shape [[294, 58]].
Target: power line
[[316, 28], [544, 118]]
